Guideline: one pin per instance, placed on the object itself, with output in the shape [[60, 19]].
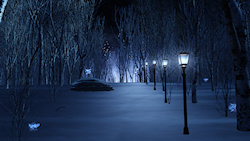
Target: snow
[[131, 112]]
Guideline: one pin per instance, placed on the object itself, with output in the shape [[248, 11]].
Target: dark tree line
[[45, 42], [49, 40]]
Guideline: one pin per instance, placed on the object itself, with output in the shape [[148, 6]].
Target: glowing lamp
[[164, 63], [183, 59], [146, 63], [154, 62]]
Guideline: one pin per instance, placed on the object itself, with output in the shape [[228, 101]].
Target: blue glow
[[205, 79], [232, 107], [88, 71], [34, 126]]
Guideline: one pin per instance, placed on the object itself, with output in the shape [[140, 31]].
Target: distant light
[[205, 79], [146, 63], [164, 62], [88, 71], [34, 126], [183, 59], [154, 62]]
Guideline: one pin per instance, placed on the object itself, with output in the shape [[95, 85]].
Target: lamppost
[[146, 73], [183, 61], [154, 63], [164, 64], [135, 76]]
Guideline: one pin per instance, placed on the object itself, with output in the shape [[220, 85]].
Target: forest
[[53, 42]]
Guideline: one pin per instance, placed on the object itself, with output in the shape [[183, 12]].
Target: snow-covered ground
[[131, 112]]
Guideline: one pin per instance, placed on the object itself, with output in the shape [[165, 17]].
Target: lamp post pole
[[183, 61], [165, 84], [165, 63], [185, 101], [154, 79], [146, 73], [154, 63]]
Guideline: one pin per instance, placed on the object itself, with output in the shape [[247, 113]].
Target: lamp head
[[154, 62], [164, 63], [183, 59]]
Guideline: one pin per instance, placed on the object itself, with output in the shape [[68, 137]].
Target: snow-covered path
[[131, 112]]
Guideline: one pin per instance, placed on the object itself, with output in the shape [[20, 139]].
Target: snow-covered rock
[[91, 84]]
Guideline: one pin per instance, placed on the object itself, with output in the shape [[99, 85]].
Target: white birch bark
[[2, 9]]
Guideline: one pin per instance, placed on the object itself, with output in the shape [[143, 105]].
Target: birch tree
[[2, 8], [236, 27], [120, 16]]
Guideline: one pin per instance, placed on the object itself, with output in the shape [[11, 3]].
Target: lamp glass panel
[[154, 62], [183, 58], [164, 62]]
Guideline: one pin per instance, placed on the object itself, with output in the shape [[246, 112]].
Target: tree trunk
[[144, 70], [126, 76], [212, 75], [121, 75], [196, 52], [140, 75], [39, 44], [81, 68], [60, 70], [70, 78], [196, 73], [238, 43]]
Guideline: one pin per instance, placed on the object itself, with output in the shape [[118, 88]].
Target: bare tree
[[192, 12], [213, 39], [236, 27], [20, 28]]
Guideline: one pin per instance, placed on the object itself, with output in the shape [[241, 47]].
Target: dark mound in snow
[[90, 84]]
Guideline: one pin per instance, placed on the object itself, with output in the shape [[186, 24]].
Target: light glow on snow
[[232, 107], [205, 79], [34, 126]]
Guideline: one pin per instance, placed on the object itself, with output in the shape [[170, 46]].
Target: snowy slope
[[131, 112]]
